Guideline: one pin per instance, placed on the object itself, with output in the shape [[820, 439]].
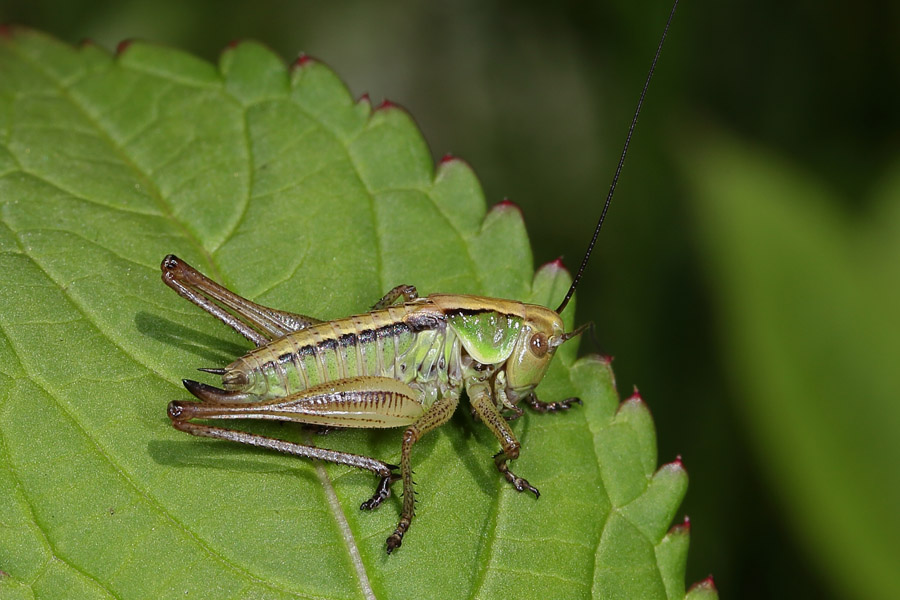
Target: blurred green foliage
[[812, 85], [810, 312]]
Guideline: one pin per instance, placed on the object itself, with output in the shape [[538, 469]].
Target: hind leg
[[259, 324]]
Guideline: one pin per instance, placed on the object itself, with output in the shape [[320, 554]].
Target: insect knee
[[511, 452], [410, 436]]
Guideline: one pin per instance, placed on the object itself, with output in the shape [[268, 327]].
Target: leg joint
[[512, 451], [176, 412], [410, 436]]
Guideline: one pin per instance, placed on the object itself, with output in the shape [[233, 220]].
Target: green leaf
[[280, 186], [809, 298]]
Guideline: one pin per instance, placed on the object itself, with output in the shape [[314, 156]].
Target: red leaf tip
[[447, 158], [302, 60], [683, 527], [507, 203], [123, 46], [636, 395], [707, 584], [386, 104], [607, 358], [557, 263], [554, 265]]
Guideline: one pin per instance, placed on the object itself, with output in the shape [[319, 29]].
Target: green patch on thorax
[[487, 336]]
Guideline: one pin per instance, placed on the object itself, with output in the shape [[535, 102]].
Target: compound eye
[[539, 344]]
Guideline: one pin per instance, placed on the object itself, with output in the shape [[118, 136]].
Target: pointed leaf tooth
[[671, 554], [590, 374], [621, 464], [550, 283], [319, 92], [635, 413], [458, 194], [654, 509], [626, 560], [507, 204], [167, 63], [507, 263], [253, 72], [390, 153]]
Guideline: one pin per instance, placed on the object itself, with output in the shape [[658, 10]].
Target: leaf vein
[[337, 511], [27, 505], [65, 93]]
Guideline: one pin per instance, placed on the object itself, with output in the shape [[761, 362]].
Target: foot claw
[[545, 407], [394, 542], [515, 413], [396, 538], [522, 484], [382, 492], [519, 483]]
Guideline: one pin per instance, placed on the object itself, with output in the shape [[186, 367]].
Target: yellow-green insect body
[[420, 343], [399, 365]]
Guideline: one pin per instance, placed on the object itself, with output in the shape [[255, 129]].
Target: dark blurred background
[[537, 97]]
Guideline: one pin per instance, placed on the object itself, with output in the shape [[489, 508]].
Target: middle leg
[[407, 292], [439, 413]]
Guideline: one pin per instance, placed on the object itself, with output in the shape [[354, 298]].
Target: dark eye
[[539, 345]]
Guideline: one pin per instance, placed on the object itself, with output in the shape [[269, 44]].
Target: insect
[[403, 364]]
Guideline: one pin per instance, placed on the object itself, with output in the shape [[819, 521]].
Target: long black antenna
[[615, 180]]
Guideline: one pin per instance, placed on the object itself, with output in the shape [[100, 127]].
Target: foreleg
[[483, 403]]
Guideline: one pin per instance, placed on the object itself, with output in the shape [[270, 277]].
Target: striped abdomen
[[409, 343]]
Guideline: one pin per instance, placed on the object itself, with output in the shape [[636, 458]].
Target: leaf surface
[[279, 185]]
